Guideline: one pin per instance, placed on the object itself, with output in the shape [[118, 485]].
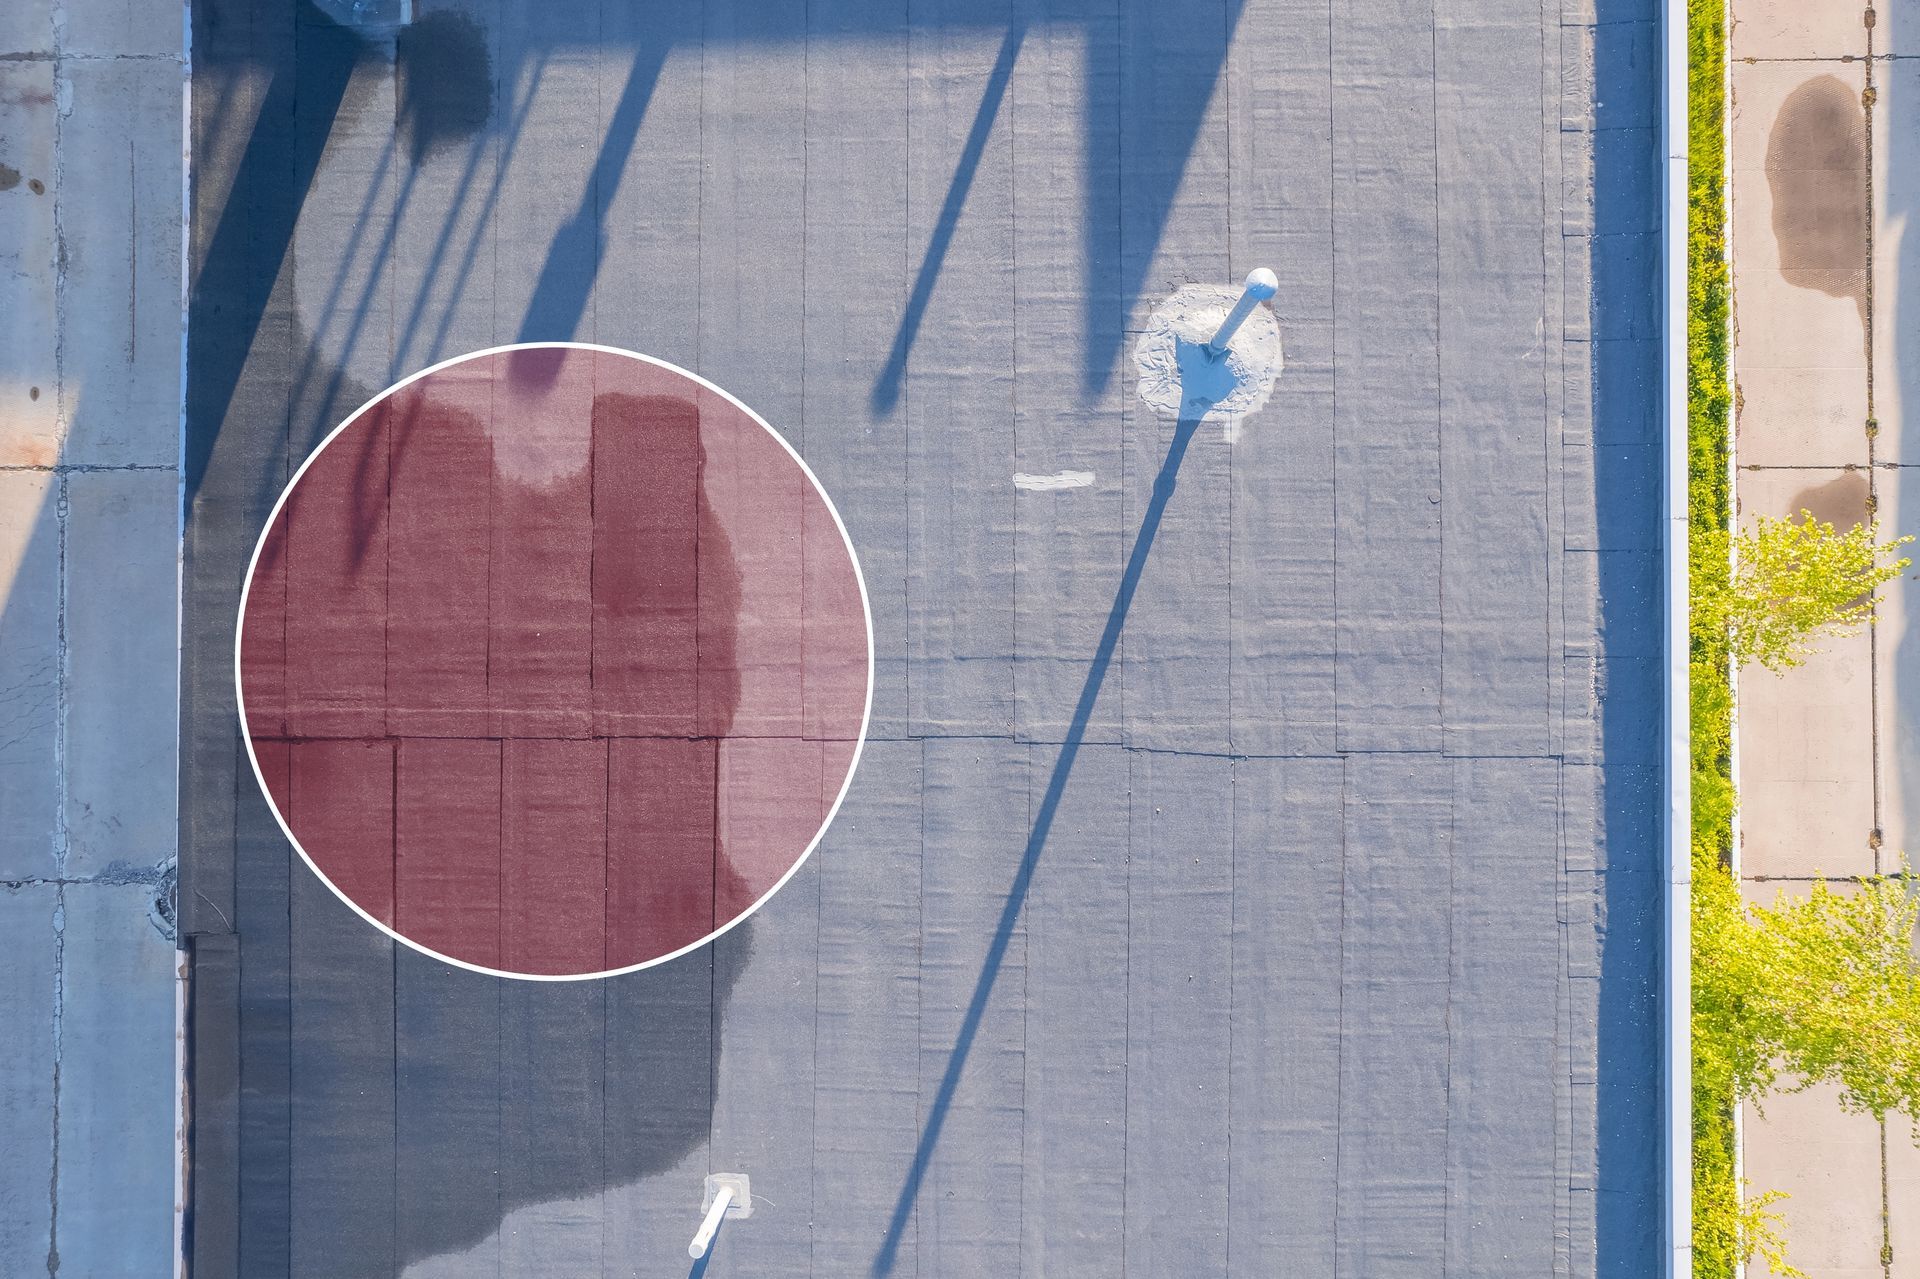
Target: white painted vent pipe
[[1261, 285], [703, 1238]]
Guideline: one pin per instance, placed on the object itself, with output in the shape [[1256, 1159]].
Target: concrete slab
[[1806, 736], [1800, 253], [26, 1072], [1802, 128], [1800, 416], [115, 1190], [27, 27], [90, 180], [1798, 29], [1806, 765], [1824, 334], [118, 29], [29, 385], [29, 671], [1822, 1158], [1839, 496], [120, 240], [122, 707]]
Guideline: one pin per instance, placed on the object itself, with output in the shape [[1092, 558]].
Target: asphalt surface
[[1253, 864]]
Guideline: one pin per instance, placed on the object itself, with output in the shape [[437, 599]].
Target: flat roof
[[1255, 863]]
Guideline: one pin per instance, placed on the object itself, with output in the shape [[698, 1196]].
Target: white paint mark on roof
[[1058, 480]]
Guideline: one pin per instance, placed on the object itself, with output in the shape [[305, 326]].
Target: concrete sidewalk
[[90, 204], [1825, 105]]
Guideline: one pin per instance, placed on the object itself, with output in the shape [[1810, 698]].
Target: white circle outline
[[246, 732]]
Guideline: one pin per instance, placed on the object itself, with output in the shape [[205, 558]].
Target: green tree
[[1730, 1226], [1820, 989], [1823, 989], [1791, 580]]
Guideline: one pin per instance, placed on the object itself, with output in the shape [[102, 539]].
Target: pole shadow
[[1163, 486], [476, 235], [229, 297], [578, 247], [1150, 81], [886, 387]]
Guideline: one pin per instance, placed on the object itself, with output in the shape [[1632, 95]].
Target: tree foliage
[[1820, 989], [1791, 581], [1717, 1237], [1730, 1226], [1817, 989], [1712, 727], [1709, 284]]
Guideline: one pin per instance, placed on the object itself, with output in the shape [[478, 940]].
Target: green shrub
[[1792, 581], [1817, 989], [1718, 1233]]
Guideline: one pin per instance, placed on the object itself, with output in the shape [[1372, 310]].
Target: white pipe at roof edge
[[1677, 827]]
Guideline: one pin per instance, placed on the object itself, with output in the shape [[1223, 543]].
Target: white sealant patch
[[1178, 378], [1058, 480]]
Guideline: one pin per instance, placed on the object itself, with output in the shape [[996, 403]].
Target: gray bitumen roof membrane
[[1253, 866]]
